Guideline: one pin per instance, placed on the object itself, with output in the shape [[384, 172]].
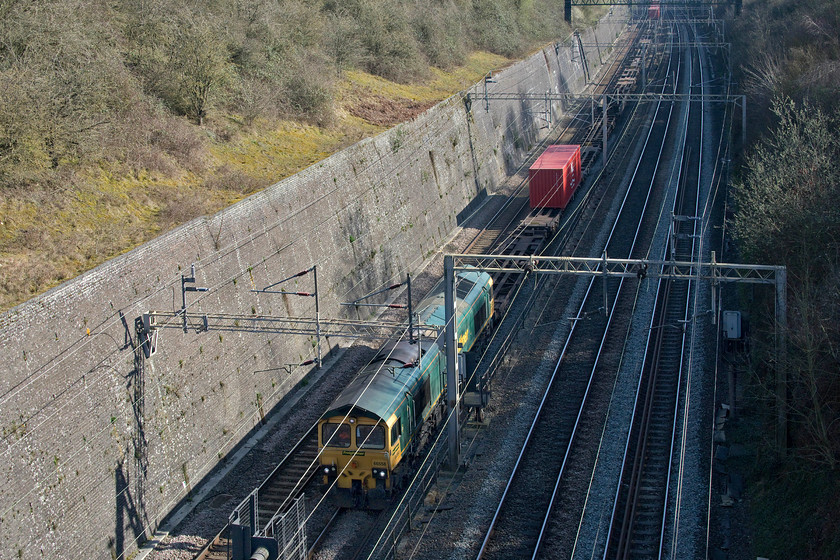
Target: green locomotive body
[[376, 427]]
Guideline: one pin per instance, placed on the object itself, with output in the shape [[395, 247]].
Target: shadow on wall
[[127, 515], [130, 505], [512, 140], [534, 119], [521, 134], [468, 210]]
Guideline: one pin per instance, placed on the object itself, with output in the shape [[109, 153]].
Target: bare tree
[[787, 214], [202, 65]]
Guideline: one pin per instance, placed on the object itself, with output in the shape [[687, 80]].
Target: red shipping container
[[554, 177]]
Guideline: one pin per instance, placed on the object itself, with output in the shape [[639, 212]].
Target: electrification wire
[[266, 229], [703, 226], [33, 431], [520, 285], [218, 256], [106, 430]]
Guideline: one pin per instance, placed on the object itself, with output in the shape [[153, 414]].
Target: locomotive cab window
[[480, 315], [335, 435], [463, 287], [421, 400], [396, 431], [370, 437]]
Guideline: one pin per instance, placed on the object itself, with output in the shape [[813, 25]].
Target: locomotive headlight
[[380, 474], [330, 470]]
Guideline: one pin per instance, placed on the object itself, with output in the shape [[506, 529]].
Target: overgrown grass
[[268, 153], [440, 84], [120, 120], [50, 235]]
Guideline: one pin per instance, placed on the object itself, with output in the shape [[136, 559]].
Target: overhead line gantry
[[604, 98], [567, 4], [604, 267]]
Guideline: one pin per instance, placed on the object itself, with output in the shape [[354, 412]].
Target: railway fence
[[412, 501]]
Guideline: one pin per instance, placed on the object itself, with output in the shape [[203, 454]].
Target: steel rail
[[626, 521], [226, 322], [638, 457], [560, 240], [650, 187], [363, 543], [589, 134], [696, 247], [312, 549], [622, 545], [549, 386], [219, 541], [199, 321]]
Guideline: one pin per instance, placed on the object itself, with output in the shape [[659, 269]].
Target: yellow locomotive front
[[364, 436], [357, 458]]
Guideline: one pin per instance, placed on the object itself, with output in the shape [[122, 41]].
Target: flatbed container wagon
[[553, 178]]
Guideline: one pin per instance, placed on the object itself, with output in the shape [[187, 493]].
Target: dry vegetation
[[787, 214], [120, 120]]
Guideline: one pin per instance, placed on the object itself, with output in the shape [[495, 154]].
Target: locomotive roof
[[380, 387], [431, 310]]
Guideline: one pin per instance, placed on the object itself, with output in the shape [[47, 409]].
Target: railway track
[[639, 519], [579, 507], [284, 485], [519, 524], [356, 530], [516, 229], [545, 231], [535, 230]]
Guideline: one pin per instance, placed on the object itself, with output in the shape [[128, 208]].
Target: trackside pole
[[781, 360], [317, 315], [453, 431], [604, 128], [743, 121], [410, 312]]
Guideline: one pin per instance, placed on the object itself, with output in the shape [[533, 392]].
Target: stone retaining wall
[[99, 445]]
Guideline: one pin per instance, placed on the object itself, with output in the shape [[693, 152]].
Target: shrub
[[440, 32], [309, 96], [391, 50], [495, 27], [787, 198], [342, 44]]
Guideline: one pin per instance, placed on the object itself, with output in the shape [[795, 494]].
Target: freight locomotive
[[375, 429]]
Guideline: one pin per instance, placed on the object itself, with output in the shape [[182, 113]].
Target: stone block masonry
[[98, 444]]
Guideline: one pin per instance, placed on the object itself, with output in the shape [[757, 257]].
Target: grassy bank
[[119, 120], [51, 233]]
